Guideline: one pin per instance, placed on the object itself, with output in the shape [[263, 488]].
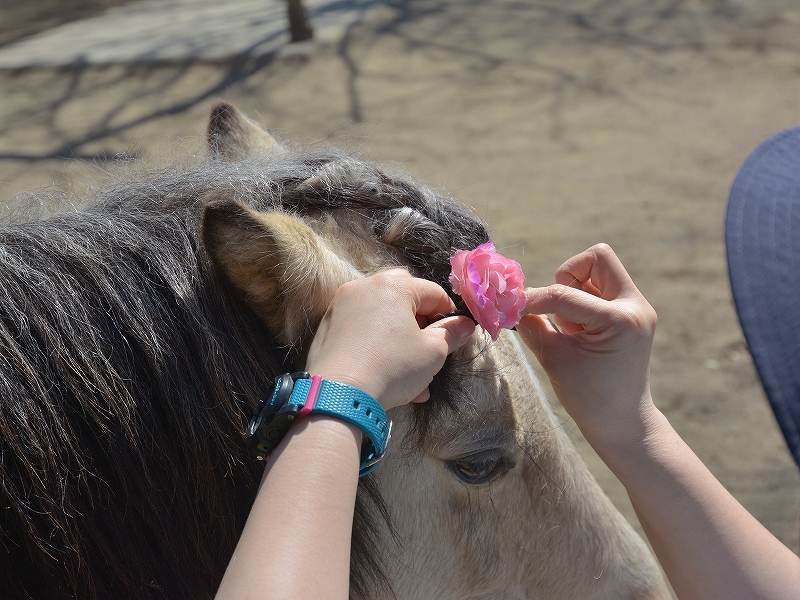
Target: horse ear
[[232, 136], [284, 270]]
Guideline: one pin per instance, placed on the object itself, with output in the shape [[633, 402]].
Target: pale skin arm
[[598, 360], [296, 543]]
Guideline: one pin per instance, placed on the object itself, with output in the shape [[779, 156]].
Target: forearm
[[597, 355], [709, 545], [296, 543], [384, 335]]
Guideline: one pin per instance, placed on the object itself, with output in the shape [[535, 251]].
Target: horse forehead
[[501, 369], [499, 386]]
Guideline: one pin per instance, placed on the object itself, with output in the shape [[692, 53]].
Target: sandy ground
[[23, 18], [562, 123]]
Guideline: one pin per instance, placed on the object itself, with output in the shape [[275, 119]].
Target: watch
[[299, 394]]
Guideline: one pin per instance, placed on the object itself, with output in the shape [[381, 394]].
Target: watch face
[[266, 410], [280, 396], [269, 422], [274, 431]]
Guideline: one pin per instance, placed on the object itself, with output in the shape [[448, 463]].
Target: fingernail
[[466, 329]]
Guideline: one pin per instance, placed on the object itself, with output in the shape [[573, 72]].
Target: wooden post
[[298, 22]]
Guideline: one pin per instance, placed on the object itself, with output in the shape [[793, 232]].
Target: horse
[[138, 333]]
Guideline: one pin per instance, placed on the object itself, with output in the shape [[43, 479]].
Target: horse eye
[[480, 467]]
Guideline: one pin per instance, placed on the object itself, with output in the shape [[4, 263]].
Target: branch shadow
[[452, 29], [111, 122]]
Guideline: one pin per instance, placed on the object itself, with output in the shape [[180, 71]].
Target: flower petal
[[491, 286]]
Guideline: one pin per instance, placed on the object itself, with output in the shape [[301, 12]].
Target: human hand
[[384, 334], [598, 356]]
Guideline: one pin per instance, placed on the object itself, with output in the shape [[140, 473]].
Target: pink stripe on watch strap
[[313, 392]]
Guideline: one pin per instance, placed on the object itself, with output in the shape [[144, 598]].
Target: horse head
[[481, 494], [138, 334]]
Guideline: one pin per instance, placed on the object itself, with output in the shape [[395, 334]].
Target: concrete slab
[[170, 30]]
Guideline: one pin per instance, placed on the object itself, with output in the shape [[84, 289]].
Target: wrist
[[329, 434], [298, 396], [353, 377], [624, 430], [648, 434], [320, 439]]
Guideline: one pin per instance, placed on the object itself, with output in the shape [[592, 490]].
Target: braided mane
[[128, 370]]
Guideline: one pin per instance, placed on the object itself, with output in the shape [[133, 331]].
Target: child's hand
[[598, 358], [385, 334]]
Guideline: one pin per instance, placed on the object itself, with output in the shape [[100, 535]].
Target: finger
[[423, 396], [539, 335], [569, 305], [567, 327], [430, 299], [566, 277], [454, 330], [598, 271], [590, 288], [536, 322]]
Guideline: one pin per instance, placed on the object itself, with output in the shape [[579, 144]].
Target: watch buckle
[[371, 462]]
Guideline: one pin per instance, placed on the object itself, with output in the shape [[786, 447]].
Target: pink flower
[[491, 286]]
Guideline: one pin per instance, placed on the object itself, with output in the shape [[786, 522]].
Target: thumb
[[540, 336], [454, 330]]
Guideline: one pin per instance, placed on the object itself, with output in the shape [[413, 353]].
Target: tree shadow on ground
[[529, 34], [76, 83], [22, 18]]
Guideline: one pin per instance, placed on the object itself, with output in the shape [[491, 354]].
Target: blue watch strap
[[355, 406]]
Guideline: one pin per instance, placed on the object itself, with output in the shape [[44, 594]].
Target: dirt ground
[[562, 123], [22, 18]]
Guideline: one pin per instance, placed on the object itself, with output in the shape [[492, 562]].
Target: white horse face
[[488, 499], [495, 502]]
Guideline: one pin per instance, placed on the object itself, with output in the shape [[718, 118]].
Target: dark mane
[[128, 371]]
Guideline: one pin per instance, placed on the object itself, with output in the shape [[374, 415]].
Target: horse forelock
[[128, 370]]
